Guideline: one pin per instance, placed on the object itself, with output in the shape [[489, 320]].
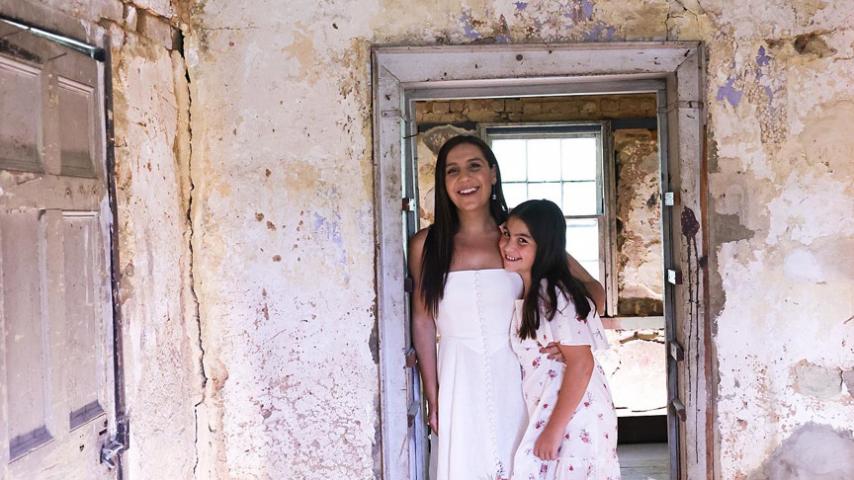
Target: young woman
[[474, 388], [572, 425]]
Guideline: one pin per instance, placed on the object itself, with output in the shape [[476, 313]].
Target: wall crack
[[180, 49]]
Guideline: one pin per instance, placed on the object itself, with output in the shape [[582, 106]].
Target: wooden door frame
[[401, 74]]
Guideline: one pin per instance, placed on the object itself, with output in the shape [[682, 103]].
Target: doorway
[[499, 81], [596, 156]]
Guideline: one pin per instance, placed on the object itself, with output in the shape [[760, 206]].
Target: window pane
[[578, 156], [582, 240], [580, 198], [511, 158], [549, 191], [592, 268], [544, 159], [514, 193]]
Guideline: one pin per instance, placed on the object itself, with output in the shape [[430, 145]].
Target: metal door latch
[[110, 452]]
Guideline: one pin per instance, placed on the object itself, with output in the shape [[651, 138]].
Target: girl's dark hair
[[547, 226], [439, 244]]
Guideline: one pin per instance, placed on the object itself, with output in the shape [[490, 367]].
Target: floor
[[644, 461]]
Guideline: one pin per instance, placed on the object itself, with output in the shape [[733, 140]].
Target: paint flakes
[[468, 23], [762, 58], [729, 93]]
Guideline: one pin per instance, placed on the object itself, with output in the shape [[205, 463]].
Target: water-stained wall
[[276, 184], [282, 169]]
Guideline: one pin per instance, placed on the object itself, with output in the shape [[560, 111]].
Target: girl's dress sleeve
[[569, 330]]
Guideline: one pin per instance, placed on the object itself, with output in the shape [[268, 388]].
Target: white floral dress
[[589, 448]]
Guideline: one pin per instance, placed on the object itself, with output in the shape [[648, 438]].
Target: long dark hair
[[547, 226], [439, 244]]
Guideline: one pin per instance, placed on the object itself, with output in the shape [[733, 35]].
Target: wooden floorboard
[[644, 461]]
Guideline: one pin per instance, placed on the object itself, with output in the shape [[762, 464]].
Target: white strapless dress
[[482, 414]]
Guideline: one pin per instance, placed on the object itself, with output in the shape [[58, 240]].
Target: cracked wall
[[282, 218], [151, 107], [281, 118]]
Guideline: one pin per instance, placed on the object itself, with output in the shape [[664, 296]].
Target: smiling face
[[518, 248], [468, 177]]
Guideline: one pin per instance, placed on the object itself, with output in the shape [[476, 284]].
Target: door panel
[[25, 336], [56, 377], [85, 378], [21, 92]]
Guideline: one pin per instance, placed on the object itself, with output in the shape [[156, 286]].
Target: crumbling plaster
[[158, 309], [282, 217], [281, 127], [640, 267]]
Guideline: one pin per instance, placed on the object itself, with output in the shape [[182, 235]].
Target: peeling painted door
[[418, 440], [56, 341]]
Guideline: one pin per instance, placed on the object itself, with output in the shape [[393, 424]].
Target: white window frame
[[605, 184]]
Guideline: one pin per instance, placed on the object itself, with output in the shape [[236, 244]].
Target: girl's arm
[[424, 333], [597, 294], [594, 288], [576, 376]]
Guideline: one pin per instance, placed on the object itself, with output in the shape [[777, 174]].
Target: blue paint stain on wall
[[579, 11], [521, 5], [600, 32], [586, 9], [468, 26], [330, 229], [729, 93], [762, 58]]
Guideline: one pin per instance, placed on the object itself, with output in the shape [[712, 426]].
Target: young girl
[[572, 425]]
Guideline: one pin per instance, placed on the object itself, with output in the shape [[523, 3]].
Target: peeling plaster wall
[[781, 205], [640, 267], [151, 127], [281, 134], [163, 381]]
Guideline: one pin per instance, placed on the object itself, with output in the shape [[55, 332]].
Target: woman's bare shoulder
[[416, 246], [417, 240]]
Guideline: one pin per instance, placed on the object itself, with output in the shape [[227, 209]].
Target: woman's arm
[[576, 376], [594, 288], [424, 333]]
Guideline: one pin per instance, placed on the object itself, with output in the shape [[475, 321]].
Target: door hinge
[[113, 447], [670, 198], [678, 408], [407, 204], [110, 452], [674, 277], [676, 351]]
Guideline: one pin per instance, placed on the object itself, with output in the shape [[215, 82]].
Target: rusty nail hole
[[519, 57]]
